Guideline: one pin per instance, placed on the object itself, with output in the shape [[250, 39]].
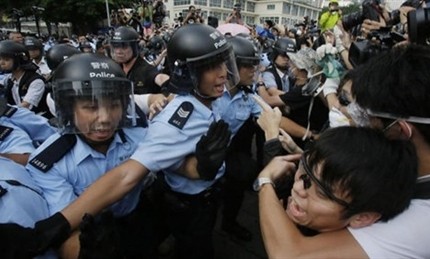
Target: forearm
[[107, 190], [17, 158], [71, 247], [292, 128], [189, 168], [280, 235]]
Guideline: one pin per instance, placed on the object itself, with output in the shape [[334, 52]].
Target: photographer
[[193, 16], [235, 16], [330, 18], [159, 13]]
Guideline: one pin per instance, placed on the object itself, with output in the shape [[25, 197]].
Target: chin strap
[[209, 98]]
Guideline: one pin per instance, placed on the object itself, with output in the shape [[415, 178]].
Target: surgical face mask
[[337, 118], [358, 115]]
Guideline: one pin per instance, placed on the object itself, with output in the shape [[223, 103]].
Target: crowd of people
[[110, 144]]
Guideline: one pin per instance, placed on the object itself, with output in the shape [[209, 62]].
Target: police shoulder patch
[[181, 115], [9, 111], [53, 153], [4, 132]]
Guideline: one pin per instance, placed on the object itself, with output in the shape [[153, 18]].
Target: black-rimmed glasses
[[309, 177]]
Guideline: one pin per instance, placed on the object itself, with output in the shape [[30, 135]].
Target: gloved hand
[[21, 242], [52, 232], [17, 241], [99, 237], [211, 150]]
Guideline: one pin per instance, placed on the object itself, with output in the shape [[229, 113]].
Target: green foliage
[[354, 7]]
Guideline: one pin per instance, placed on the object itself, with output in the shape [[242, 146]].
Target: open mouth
[[294, 210]]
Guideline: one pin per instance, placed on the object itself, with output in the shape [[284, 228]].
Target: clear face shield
[[98, 107], [122, 52], [225, 58]]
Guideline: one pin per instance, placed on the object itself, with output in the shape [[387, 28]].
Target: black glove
[[100, 237], [17, 241], [211, 150], [21, 242], [52, 232]]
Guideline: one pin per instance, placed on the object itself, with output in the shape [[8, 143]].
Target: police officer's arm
[[161, 78], [280, 235], [107, 190], [271, 99]]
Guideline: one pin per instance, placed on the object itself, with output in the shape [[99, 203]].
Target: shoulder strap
[[54, 152], [141, 121], [181, 115], [9, 111], [422, 190], [272, 69], [4, 132]]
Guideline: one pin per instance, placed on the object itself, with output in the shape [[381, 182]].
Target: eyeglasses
[[309, 177]]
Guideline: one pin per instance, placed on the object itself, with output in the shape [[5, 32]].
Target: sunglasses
[[309, 177]]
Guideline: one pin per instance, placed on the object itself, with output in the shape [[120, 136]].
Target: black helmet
[[57, 53], [283, 46], [125, 36], [245, 52], [32, 43], [19, 54], [156, 44], [91, 77], [194, 49]]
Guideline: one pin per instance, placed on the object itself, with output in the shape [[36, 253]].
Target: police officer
[[92, 98], [36, 51], [200, 71], [276, 77], [236, 107], [24, 86], [125, 51]]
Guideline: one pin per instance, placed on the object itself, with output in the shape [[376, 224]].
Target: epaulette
[[9, 111], [141, 121], [181, 115], [54, 152], [422, 190], [4, 132]]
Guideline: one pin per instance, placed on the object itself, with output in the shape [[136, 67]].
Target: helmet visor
[[94, 106], [225, 57]]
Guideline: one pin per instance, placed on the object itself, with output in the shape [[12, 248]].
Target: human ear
[[364, 219], [406, 129]]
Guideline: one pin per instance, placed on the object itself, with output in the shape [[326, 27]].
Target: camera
[[370, 10], [419, 26]]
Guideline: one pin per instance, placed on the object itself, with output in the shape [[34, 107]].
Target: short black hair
[[375, 173], [269, 22]]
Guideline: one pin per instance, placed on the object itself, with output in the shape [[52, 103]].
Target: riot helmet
[[86, 47], [19, 54], [283, 46], [245, 52], [124, 37], [32, 44], [194, 49], [97, 80], [156, 44], [58, 53]]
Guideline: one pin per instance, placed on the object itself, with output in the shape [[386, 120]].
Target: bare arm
[[281, 237], [108, 189], [17, 158]]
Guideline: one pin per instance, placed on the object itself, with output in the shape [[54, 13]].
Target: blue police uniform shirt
[[36, 126], [165, 145], [14, 140], [235, 110], [22, 202], [81, 166], [270, 82]]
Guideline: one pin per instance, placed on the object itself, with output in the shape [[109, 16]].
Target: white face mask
[[358, 115], [337, 118]]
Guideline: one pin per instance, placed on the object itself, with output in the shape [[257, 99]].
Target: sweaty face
[[311, 208], [213, 81], [97, 120]]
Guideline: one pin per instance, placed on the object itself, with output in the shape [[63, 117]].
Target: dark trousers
[[191, 220]]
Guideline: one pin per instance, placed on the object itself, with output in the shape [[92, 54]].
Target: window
[[250, 7], [294, 11], [228, 4], [215, 3], [200, 2], [270, 7], [181, 2], [302, 11], [286, 8], [249, 20]]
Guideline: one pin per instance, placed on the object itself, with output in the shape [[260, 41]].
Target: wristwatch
[[260, 182]]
